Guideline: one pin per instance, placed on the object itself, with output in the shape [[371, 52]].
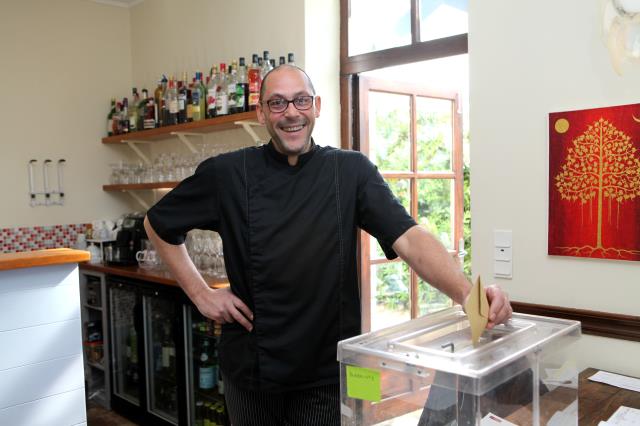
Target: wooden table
[[598, 401]]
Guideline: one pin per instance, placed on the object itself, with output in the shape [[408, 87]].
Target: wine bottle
[[206, 370], [171, 99], [182, 99], [222, 94]]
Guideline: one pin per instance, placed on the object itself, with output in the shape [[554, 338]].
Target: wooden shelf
[[140, 186], [225, 122]]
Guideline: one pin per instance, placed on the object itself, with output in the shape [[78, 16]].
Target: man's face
[[290, 129]]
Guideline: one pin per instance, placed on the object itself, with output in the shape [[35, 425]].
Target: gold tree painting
[[594, 183]]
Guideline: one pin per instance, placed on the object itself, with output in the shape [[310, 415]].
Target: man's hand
[[499, 306], [223, 306]]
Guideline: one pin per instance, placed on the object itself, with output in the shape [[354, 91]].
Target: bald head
[[280, 68]]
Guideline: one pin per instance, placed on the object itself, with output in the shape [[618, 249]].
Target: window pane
[[390, 298], [430, 299], [443, 18], [435, 133], [378, 25], [389, 142], [436, 208], [401, 188]]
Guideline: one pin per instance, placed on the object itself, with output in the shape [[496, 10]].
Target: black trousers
[[317, 406]]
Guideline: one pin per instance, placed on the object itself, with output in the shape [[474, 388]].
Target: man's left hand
[[499, 306]]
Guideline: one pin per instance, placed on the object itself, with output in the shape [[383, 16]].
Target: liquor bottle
[[290, 60], [182, 99], [117, 118], [281, 61], [190, 100], [266, 63], [133, 110], [242, 88], [254, 83], [222, 93], [142, 109], [203, 97], [158, 95], [124, 116], [272, 64], [171, 100], [232, 81], [206, 370], [112, 112], [196, 94], [149, 121], [212, 88]]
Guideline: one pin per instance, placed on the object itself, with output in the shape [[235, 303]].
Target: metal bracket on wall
[[133, 146], [183, 138], [247, 126]]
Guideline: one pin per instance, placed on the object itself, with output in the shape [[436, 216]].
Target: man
[[288, 214]]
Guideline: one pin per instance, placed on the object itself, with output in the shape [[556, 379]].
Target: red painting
[[594, 183]]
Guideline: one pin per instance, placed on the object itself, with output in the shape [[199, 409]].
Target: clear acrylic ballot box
[[427, 372]]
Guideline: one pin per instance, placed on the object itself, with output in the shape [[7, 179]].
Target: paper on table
[[477, 309], [493, 420], [624, 416], [625, 382]]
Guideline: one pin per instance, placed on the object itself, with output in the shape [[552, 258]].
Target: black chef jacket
[[289, 235]]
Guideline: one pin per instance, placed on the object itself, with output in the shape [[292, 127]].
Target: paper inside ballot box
[[477, 310]]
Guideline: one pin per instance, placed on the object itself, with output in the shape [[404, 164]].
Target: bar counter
[[41, 365], [151, 275]]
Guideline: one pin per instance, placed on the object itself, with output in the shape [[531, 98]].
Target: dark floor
[[98, 416]]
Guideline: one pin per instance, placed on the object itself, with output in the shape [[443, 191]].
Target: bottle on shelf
[[112, 112], [182, 99], [272, 63], [232, 81], [254, 82], [281, 61], [171, 101], [149, 118], [133, 110], [197, 113], [242, 88], [124, 116], [158, 95], [222, 93], [212, 88], [290, 59]]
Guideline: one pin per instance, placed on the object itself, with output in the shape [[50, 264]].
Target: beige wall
[[528, 59], [61, 62], [74, 55]]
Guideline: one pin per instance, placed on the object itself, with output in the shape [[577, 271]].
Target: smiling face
[[291, 129]]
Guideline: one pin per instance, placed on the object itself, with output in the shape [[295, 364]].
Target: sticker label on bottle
[[207, 375]]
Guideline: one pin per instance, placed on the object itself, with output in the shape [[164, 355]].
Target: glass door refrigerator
[[148, 352], [126, 329], [162, 333], [205, 386]]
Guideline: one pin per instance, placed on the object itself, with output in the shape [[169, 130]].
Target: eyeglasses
[[302, 103]]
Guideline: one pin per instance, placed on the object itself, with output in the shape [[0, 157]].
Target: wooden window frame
[[350, 115]]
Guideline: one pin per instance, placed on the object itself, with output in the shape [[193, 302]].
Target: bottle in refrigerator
[[207, 371]]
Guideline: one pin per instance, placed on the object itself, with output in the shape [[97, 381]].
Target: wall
[[528, 59], [62, 61]]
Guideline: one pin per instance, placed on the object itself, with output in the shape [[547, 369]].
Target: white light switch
[[502, 253]]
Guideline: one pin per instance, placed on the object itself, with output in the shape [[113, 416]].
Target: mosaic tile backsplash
[[40, 237]]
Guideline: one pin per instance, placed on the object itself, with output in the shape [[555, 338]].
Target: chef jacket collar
[[281, 158]]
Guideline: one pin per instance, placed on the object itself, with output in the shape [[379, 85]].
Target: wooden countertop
[[29, 259], [152, 275]]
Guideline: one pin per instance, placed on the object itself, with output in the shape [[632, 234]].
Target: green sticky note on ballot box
[[363, 383], [430, 372]]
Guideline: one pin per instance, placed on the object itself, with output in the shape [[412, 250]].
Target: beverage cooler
[[164, 357], [145, 323]]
